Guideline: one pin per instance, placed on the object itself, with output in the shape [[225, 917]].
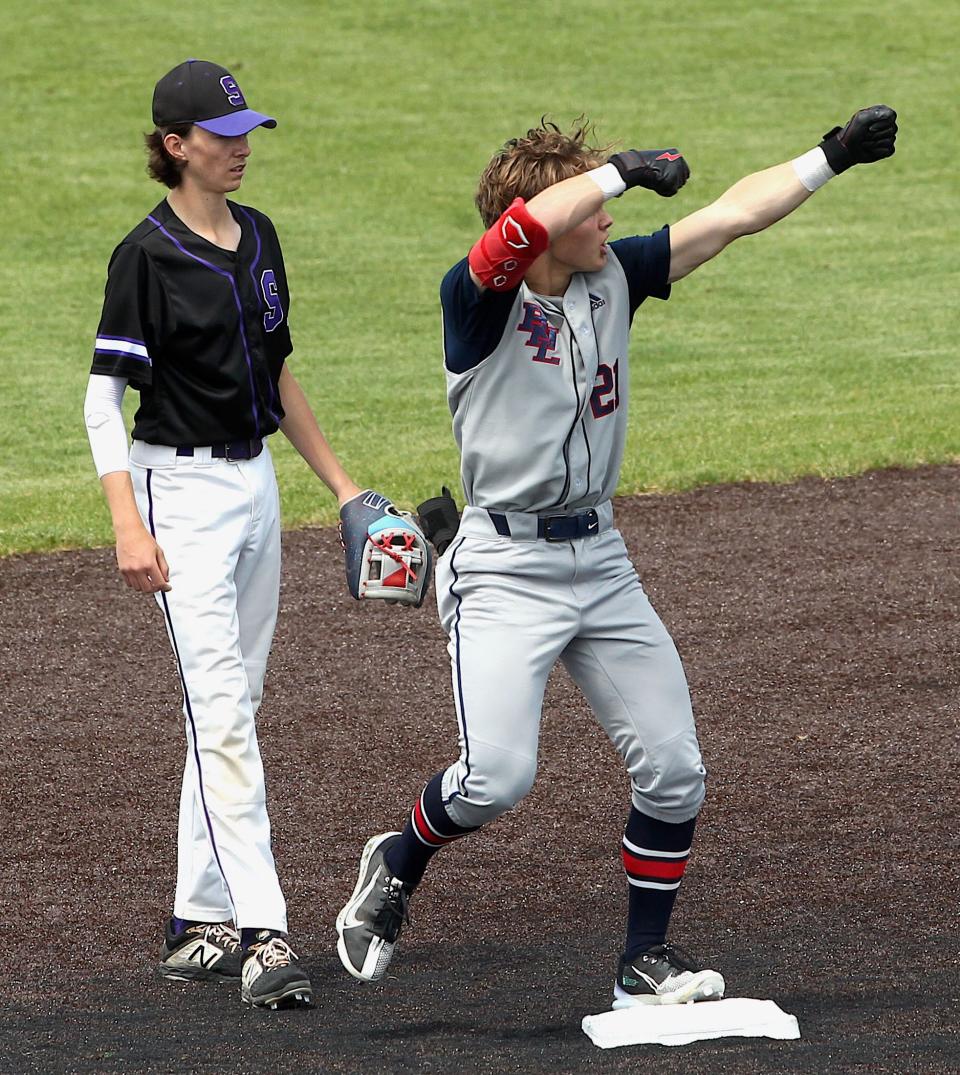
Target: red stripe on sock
[[665, 869], [423, 829]]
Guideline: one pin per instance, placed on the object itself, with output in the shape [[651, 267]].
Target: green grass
[[827, 346]]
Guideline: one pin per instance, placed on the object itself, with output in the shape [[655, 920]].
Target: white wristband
[[609, 180], [812, 169]]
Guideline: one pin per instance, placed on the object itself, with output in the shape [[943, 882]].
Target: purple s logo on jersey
[[232, 90], [543, 335], [274, 312]]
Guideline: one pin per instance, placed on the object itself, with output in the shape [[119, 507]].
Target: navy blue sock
[[427, 830], [180, 924], [655, 855], [249, 935]]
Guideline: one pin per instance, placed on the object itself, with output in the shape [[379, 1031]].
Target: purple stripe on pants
[[187, 705]]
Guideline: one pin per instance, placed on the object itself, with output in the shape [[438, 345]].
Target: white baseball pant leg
[[626, 664], [218, 524]]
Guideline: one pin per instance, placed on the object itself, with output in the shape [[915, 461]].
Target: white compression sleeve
[[104, 419]]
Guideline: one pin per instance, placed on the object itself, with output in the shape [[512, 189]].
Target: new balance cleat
[[370, 922], [206, 952], [664, 974], [271, 976]]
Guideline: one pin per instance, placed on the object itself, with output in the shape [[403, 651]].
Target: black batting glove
[[440, 519], [869, 136], [663, 171]]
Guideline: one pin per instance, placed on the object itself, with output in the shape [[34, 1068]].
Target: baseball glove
[[387, 556], [439, 519]]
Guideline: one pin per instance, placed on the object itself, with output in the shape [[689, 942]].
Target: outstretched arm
[[761, 199], [749, 206]]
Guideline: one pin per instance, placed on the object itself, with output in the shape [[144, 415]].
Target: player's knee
[[672, 785], [514, 780], [496, 782], [686, 791], [676, 801]]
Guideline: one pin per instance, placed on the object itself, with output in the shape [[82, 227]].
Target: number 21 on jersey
[[605, 397]]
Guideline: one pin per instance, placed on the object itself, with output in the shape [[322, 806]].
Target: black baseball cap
[[204, 93]]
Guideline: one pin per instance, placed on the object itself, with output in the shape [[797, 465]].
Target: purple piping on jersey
[[236, 299], [124, 354], [256, 258], [256, 288], [122, 339], [188, 706], [460, 709]]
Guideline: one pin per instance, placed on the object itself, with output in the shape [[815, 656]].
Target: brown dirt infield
[[820, 627]]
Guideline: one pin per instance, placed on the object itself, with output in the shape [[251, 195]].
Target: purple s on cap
[[206, 94]]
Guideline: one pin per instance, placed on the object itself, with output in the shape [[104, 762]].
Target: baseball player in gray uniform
[[535, 340], [196, 319]]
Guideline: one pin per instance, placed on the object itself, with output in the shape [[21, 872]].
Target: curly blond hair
[[543, 156]]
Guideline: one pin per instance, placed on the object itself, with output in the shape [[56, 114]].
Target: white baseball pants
[[218, 524], [512, 607]]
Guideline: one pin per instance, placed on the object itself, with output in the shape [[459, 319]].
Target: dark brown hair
[[543, 156], [160, 165]]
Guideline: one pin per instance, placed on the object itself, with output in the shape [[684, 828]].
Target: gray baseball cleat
[[370, 921], [205, 952], [664, 974], [271, 975]]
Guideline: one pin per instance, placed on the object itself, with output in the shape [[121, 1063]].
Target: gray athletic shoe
[[664, 974], [271, 975], [207, 952], [370, 921]]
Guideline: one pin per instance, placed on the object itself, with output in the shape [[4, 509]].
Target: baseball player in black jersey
[[535, 340], [196, 319]]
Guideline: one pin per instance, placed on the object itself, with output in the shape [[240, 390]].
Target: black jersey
[[202, 332]]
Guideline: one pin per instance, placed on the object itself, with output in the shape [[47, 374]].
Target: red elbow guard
[[502, 255]]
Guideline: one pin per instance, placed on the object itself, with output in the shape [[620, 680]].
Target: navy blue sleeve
[[473, 320], [645, 260]]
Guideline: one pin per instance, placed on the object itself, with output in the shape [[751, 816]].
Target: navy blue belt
[[554, 527], [234, 450]]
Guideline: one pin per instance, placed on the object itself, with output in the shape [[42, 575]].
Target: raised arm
[[761, 199], [508, 248]]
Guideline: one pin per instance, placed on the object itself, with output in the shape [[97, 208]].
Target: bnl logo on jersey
[[543, 336], [605, 398]]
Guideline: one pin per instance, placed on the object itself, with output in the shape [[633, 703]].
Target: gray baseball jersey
[[538, 386]]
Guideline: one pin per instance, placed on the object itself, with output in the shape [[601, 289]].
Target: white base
[[679, 1024]]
